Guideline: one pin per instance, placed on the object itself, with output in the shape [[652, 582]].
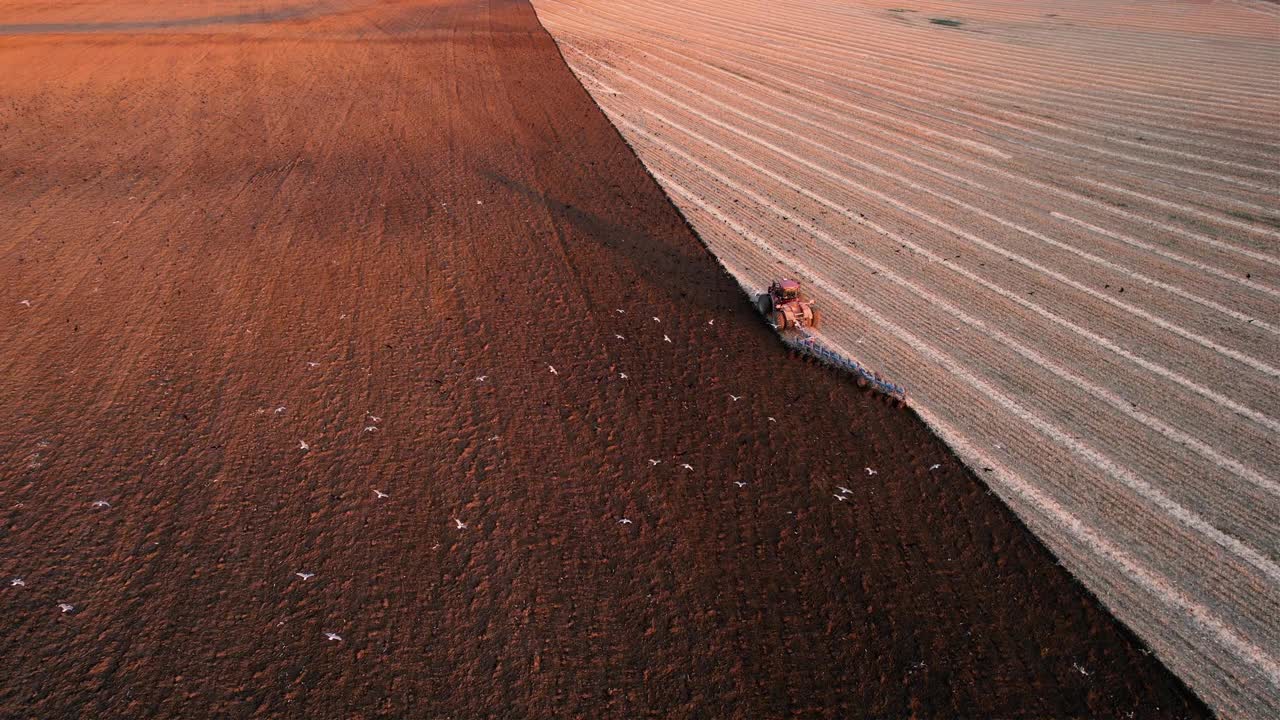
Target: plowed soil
[[256, 269]]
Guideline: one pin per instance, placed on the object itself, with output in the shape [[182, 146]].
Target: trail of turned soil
[[253, 274]]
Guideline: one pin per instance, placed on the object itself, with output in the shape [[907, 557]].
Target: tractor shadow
[[690, 277]]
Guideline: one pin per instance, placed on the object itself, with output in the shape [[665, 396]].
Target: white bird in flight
[[460, 525], [302, 445], [624, 521], [17, 582], [622, 375], [934, 466], [870, 471], [619, 336], [841, 498], [333, 637], [666, 339], [553, 370], [739, 483], [655, 319], [686, 466], [25, 302], [313, 364], [770, 419], [371, 428], [379, 494], [481, 378], [654, 462], [305, 575], [279, 409], [844, 490], [375, 418], [101, 504], [621, 311], [66, 607], [734, 398], [712, 321]]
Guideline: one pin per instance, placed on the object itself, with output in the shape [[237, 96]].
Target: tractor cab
[[784, 305], [785, 291]]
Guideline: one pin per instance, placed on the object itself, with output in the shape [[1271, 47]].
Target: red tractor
[[784, 305]]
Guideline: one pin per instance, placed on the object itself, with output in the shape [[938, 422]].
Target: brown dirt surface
[[375, 229]]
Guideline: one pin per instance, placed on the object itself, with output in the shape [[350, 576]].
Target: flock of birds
[[373, 425]]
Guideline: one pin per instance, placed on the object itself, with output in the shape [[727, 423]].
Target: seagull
[[666, 339], [305, 575], [934, 466], [739, 483], [302, 445], [841, 498], [625, 521], [844, 490], [333, 637], [25, 302], [491, 439], [481, 378], [871, 472], [461, 525], [375, 418], [380, 495], [655, 319], [66, 607], [553, 370], [654, 462], [619, 336], [313, 364], [622, 376], [621, 311], [17, 582], [279, 409], [712, 321], [770, 419], [101, 504], [686, 466], [734, 398], [371, 428]]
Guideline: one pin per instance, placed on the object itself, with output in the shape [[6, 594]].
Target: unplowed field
[[1055, 223]]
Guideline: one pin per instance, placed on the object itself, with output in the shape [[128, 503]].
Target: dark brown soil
[[237, 238]]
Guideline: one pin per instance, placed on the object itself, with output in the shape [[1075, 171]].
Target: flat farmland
[[1055, 224], [352, 366]]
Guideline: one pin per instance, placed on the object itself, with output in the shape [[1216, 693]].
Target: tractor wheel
[[764, 303], [817, 318], [779, 320]]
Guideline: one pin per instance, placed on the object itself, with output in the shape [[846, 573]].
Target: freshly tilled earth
[[361, 319]]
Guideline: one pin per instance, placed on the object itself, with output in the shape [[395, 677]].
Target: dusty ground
[[1056, 223], [286, 303]]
